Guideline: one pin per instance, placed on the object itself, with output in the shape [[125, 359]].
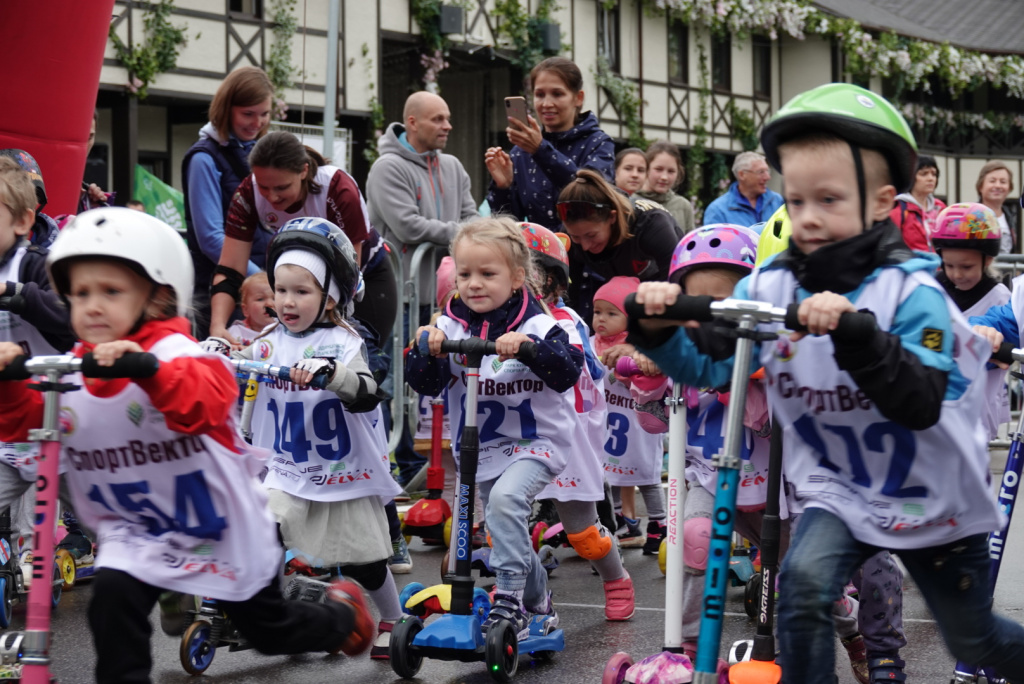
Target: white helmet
[[147, 243]]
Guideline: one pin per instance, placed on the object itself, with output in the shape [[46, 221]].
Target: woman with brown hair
[[526, 182], [611, 237], [212, 170], [290, 180], [665, 173], [995, 182]]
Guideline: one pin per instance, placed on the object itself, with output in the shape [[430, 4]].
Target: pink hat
[[445, 279], [615, 291]]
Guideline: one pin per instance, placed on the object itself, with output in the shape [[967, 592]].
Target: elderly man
[[748, 200]]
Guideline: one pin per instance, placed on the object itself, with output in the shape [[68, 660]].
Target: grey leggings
[[576, 516], [654, 500]]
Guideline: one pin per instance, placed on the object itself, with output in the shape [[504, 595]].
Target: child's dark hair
[[282, 150], [590, 186]]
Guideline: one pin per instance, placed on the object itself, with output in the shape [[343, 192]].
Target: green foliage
[[698, 151], [156, 54], [278, 64], [523, 30], [370, 154], [625, 97], [427, 15], [743, 127]]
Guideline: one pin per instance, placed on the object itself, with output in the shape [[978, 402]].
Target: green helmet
[[856, 115], [774, 235]]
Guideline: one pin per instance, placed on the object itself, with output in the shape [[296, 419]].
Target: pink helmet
[[548, 249], [967, 225], [722, 245]]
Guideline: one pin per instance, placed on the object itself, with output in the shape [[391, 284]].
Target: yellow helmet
[[774, 235]]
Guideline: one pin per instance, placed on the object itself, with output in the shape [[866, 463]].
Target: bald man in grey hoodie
[[415, 192]]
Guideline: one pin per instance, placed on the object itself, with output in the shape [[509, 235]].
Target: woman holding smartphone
[[547, 154]]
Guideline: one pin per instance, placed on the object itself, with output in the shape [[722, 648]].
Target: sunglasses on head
[[578, 210]]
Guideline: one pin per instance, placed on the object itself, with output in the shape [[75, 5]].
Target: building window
[[721, 63], [762, 67], [608, 36], [678, 52], [252, 8]]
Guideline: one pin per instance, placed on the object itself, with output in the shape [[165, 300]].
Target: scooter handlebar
[[131, 365], [475, 345], [14, 303]]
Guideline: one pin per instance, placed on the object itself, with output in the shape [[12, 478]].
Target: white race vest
[[632, 456], [13, 328], [176, 511], [518, 416], [892, 486], [583, 477], [997, 402], [321, 451]]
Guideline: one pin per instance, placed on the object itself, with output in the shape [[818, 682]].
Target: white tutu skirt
[[350, 532]]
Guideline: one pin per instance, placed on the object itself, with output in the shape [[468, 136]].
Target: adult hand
[[527, 137], [499, 164], [220, 332], [96, 193], [612, 355]]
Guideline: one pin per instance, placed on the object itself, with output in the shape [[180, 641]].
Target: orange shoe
[[361, 637]]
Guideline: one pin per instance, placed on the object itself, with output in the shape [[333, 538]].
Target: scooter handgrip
[[1005, 353], [16, 370], [318, 381], [854, 326], [131, 365], [626, 367], [685, 308], [15, 303]]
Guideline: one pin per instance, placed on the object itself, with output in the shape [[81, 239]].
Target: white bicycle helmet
[[145, 243]]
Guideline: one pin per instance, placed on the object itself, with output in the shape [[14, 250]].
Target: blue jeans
[[507, 503], [953, 578]]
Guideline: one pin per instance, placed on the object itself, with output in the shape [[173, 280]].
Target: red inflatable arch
[[51, 54]]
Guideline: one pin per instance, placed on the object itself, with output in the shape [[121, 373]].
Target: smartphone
[[515, 108]]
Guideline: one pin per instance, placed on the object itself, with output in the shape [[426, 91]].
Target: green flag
[[160, 199]]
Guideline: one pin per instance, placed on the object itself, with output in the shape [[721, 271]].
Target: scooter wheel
[[68, 569], [752, 596], [58, 585], [448, 532], [615, 670], [405, 659], [502, 651], [663, 556], [5, 602], [481, 603], [196, 650], [407, 591], [537, 536]]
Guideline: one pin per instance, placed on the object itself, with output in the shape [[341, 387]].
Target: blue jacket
[[1003, 319], [732, 207], [539, 178]]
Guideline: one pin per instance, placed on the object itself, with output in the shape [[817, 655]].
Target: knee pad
[[370, 575], [590, 543], [696, 542]]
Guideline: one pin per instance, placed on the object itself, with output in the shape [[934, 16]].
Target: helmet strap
[[862, 189]]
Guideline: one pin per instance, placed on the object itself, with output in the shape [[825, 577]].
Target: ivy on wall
[[625, 97], [278, 63], [156, 54], [523, 30]]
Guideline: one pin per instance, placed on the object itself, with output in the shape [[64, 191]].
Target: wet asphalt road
[[590, 640]]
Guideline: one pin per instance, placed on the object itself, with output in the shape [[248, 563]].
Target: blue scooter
[[457, 634]]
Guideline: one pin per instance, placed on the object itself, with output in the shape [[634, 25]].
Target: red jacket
[[909, 217], [195, 394]]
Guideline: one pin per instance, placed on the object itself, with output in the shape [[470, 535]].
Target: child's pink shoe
[[619, 599]]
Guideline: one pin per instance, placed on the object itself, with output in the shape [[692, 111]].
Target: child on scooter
[[577, 489], [256, 296], [966, 237], [632, 456], [526, 437], [329, 473], [156, 465], [884, 444]]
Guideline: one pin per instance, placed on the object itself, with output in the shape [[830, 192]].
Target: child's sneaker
[[349, 593], [656, 531], [382, 644], [508, 607], [547, 609], [886, 669], [619, 599], [632, 537], [401, 562], [858, 653]]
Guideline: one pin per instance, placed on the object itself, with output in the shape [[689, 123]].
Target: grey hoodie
[[415, 198]]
